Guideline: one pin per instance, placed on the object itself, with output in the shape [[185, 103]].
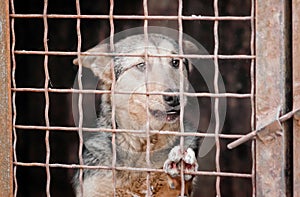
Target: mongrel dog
[[163, 75]]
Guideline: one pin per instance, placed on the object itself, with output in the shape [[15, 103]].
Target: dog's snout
[[171, 100]]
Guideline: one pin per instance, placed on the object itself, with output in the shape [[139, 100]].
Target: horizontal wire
[[91, 91], [70, 53], [199, 173], [62, 128], [133, 17]]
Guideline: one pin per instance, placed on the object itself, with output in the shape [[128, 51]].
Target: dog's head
[[136, 75]]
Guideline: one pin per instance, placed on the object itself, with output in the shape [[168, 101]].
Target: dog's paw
[[172, 165]]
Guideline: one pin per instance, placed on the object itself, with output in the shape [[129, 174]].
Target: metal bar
[[14, 107], [146, 56], [199, 173], [90, 91], [80, 99], [113, 109], [216, 100], [252, 77], [271, 55], [134, 17], [63, 53], [6, 168], [87, 91], [61, 128], [296, 95], [46, 93], [180, 39], [254, 133]]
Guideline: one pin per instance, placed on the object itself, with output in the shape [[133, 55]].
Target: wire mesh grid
[[217, 136]]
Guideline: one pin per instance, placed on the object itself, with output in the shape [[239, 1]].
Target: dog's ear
[[100, 65], [190, 48]]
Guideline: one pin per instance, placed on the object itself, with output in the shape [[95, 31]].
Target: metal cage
[[266, 57]]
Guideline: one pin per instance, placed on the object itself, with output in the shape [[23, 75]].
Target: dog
[[138, 111]]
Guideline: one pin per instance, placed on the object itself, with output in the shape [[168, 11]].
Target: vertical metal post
[[271, 73], [296, 94], [6, 175]]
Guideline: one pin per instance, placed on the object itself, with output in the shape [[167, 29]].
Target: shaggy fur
[[163, 75]]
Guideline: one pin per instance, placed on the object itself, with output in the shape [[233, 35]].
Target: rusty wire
[[252, 77], [181, 90], [47, 102], [199, 173], [216, 104], [80, 98], [87, 91], [57, 128], [14, 107], [135, 17], [113, 110], [146, 56], [111, 17], [28, 52]]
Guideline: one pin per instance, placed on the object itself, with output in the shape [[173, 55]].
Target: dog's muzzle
[[172, 108], [168, 116], [172, 100]]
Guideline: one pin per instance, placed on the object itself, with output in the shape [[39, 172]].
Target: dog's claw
[[172, 165]]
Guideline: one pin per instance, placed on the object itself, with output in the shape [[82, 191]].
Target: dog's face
[[138, 75]]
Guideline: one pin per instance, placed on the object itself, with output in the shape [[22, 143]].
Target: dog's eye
[[175, 63], [141, 66]]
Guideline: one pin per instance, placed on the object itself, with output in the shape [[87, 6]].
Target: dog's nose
[[171, 100]]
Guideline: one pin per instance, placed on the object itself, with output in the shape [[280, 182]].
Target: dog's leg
[[172, 165]]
